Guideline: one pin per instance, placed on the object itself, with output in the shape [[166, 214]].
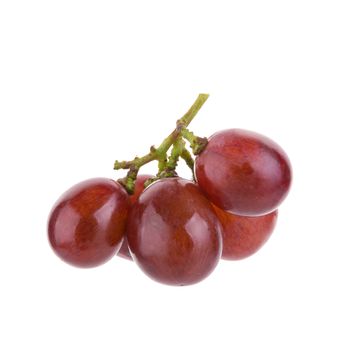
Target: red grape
[[139, 187], [87, 223], [242, 236], [173, 232], [243, 172]]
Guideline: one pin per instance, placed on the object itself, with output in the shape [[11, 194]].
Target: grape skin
[[243, 172], [87, 223], [243, 236], [139, 187], [173, 233]]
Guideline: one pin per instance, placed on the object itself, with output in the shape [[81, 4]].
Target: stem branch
[[160, 153], [197, 143]]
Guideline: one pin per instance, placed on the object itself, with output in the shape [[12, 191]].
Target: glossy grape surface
[[173, 232], [87, 223], [242, 236], [243, 172], [139, 187]]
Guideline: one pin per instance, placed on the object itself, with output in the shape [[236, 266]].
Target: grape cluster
[[176, 230]]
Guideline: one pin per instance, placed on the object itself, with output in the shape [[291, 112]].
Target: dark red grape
[[173, 232], [87, 223], [242, 236], [139, 187], [243, 172]]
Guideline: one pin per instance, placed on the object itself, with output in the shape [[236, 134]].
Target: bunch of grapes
[[176, 230]]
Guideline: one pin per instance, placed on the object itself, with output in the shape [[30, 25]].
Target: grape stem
[[197, 143], [167, 165]]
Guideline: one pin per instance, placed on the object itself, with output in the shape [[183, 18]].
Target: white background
[[83, 83]]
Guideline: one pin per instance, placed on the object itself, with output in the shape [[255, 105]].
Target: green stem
[[187, 157], [197, 143], [175, 154], [159, 153]]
